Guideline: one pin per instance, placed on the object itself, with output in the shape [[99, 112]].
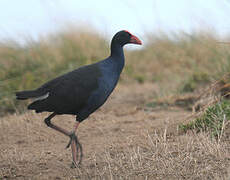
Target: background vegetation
[[184, 69], [177, 63]]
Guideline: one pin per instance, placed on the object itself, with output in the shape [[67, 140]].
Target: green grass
[[213, 120]]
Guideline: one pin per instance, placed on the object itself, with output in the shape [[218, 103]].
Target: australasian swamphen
[[81, 91]]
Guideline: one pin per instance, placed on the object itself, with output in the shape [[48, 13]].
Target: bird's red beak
[[135, 40]]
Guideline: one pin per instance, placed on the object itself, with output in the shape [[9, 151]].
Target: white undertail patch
[[41, 97]]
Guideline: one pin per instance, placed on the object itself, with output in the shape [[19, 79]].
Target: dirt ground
[[30, 150]]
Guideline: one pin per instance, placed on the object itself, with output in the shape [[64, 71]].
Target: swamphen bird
[[81, 91]]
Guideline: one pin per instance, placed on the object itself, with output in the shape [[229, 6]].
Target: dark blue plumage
[[83, 90]]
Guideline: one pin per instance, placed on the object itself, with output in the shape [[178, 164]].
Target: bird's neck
[[117, 55], [116, 50]]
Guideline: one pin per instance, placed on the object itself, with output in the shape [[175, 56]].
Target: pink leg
[[76, 147]]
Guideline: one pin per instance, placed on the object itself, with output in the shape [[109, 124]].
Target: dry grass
[[148, 156], [161, 157], [119, 141], [180, 62]]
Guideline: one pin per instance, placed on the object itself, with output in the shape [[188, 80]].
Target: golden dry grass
[[122, 140]]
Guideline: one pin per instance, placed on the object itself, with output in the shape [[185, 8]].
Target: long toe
[[72, 136], [77, 152]]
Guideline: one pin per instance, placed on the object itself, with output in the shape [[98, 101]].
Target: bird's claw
[[77, 151]]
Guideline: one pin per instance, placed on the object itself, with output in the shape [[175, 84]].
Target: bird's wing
[[69, 93]]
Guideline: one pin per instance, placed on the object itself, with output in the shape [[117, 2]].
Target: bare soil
[[122, 140]]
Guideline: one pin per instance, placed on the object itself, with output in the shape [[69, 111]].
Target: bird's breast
[[106, 85]]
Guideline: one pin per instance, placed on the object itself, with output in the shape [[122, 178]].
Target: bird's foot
[[76, 148]]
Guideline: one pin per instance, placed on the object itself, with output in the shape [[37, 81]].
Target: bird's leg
[[75, 144], [55, 127]]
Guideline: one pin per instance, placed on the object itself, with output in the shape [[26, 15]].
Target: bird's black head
[[125, 37]]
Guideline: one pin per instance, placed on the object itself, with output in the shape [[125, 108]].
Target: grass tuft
[[213, 120]]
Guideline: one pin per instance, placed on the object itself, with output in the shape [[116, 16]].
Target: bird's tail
[[30, 94]]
